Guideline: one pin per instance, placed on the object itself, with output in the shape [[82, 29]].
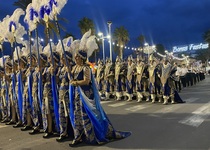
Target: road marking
[[105, 102], [118, 104], [136, 108], [172, 108], [3, 126], [168, 109], [192, 99], [198, 116]]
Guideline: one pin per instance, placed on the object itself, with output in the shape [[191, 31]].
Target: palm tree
[[22, 4], [202, 55], [160, 49], [141, 40], [85, 24], [121, 36], [206, 37]]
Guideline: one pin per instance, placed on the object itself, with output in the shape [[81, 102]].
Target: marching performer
[[3, 102], [109, 78], [90, 123], [130, 78], [48, 114], [100, 77], [11, 106], [36, 71], [168, 85], [152, 73], [64, 95], [118, 78], [26, 107], [140, 68]]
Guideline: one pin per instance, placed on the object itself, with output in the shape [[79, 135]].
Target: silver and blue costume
[[88, 118]]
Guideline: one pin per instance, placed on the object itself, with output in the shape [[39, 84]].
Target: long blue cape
[[13, 87], [95, 112], [55, 101], [40, 88], [20, 94], [29, 78]]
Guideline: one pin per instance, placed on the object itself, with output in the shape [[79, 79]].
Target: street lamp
[[146, 46], [100, 34], [110, 40]]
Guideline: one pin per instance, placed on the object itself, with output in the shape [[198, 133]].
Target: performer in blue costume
[[89, 121], [48, 114], [100, 76], [64, 96], [26, 106], [36, 111], [130, 78], [168, 86], [11, 106]]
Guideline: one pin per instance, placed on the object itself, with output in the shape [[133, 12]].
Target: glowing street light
[[110, 43], [102, 37]]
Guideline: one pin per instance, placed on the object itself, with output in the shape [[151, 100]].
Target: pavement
[[153, 126]]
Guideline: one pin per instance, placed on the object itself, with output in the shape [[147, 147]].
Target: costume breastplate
[[165, 73], [63, 78], [140, 70]]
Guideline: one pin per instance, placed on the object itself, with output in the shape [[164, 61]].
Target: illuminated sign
[[190, 47]]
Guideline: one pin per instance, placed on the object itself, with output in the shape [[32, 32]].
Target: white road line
[[118, 104], [136, 108], [168, 109], [192, 99], [3, 126], [105, 102], [172, 108], [198, 116]]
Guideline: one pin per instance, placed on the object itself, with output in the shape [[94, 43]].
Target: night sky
[[169, 22]]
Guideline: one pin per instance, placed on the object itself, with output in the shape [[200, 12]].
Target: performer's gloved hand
[[74, 83]]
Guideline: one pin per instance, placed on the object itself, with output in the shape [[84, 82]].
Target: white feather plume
[[45, 3], [31, 23], [46, 49], [19, 33], [6, 58], [84, 40], [20, 30], [60, 4], [36, 4], [91, 45], [3, 27], [16, 15], [15, 53], [74, 47], [1, 33], [66, 43], [59, 47], [34, 47], [1, 62]]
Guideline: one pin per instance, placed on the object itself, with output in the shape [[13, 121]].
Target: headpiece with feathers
[[2, 28], [45, 10], [57, 5], [87, 45], [5, 58], [66, 43], [31, 17], [15, 57], [46, 49], [74, 47], [14, 28]]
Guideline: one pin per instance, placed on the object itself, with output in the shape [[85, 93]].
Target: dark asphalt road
[[153, 126]]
